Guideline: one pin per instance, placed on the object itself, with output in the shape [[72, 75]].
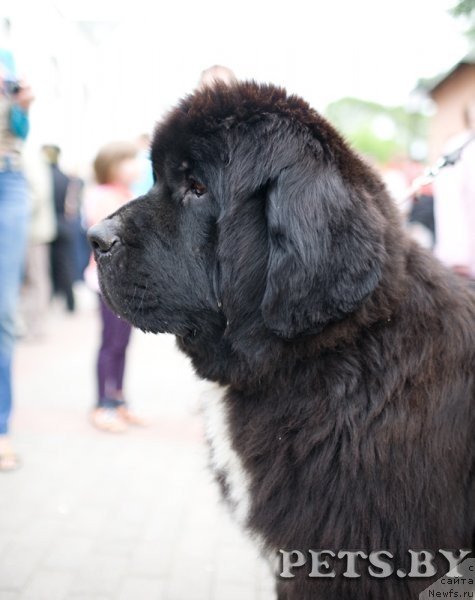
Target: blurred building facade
[[451, 93]]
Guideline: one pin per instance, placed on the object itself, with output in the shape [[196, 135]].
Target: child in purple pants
[[116, 171], [111, 359]]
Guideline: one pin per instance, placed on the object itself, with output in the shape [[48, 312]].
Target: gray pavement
[[96, 516]]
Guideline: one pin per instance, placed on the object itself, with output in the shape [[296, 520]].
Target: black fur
[[277, 258]]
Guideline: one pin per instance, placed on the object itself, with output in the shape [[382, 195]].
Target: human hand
[[24, 97]]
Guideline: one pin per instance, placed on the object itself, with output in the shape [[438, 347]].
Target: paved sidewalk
[[93, 516]]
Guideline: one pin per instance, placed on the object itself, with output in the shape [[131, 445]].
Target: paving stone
[[99, 575], [14, 574], [15, 517], [235, 564], [48, 585], [151, 558], [74, 596], [5, 541], [39, 534], [86, 520], [4, 595], [266, 594], [229, 591], [136, 588], [67, 552], [18, 565], [92, 516], [188, 588]]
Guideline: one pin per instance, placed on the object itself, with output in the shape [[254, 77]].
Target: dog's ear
[[326, 249]]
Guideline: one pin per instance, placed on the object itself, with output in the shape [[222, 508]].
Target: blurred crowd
[[46, 211], [44, 215]]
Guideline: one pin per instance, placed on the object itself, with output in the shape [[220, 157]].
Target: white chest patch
[[225, 461]]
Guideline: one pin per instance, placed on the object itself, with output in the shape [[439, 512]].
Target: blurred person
[[398, 174], [418, 204], [145, 180], [421, 223], [75, 212], [416, 207], [216, 73], [116, 171], [62, 247], [36, 288], [15, 100], [454, 204]]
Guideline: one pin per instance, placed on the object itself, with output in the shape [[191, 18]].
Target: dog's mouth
[[136, 302], [114, 283], [106, 285], [135, 292]]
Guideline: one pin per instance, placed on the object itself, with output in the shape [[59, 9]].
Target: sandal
[[130, 417], [9, 461], [108, 419]]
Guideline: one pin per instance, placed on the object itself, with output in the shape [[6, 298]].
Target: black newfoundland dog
[[343, 353]]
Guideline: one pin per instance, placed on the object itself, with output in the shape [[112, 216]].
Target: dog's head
[[261, 221]]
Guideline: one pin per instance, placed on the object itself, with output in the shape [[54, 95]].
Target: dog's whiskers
[[141, 303]]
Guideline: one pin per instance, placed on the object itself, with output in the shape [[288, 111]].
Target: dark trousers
[[62, 263], [111, 359]]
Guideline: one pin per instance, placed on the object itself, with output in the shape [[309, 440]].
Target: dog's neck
[[258, 358]]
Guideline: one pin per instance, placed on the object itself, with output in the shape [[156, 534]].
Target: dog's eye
[[196, 188]]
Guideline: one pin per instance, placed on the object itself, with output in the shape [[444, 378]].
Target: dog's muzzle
[[103, 236]]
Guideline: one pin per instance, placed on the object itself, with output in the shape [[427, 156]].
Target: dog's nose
[[103, 236]]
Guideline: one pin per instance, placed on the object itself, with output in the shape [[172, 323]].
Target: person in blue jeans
[[14, 104]]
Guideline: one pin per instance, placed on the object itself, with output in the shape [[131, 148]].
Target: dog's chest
[[225, 462]]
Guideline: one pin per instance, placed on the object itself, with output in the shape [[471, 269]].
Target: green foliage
[[465, 9], [369, 145], [379, 132]]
